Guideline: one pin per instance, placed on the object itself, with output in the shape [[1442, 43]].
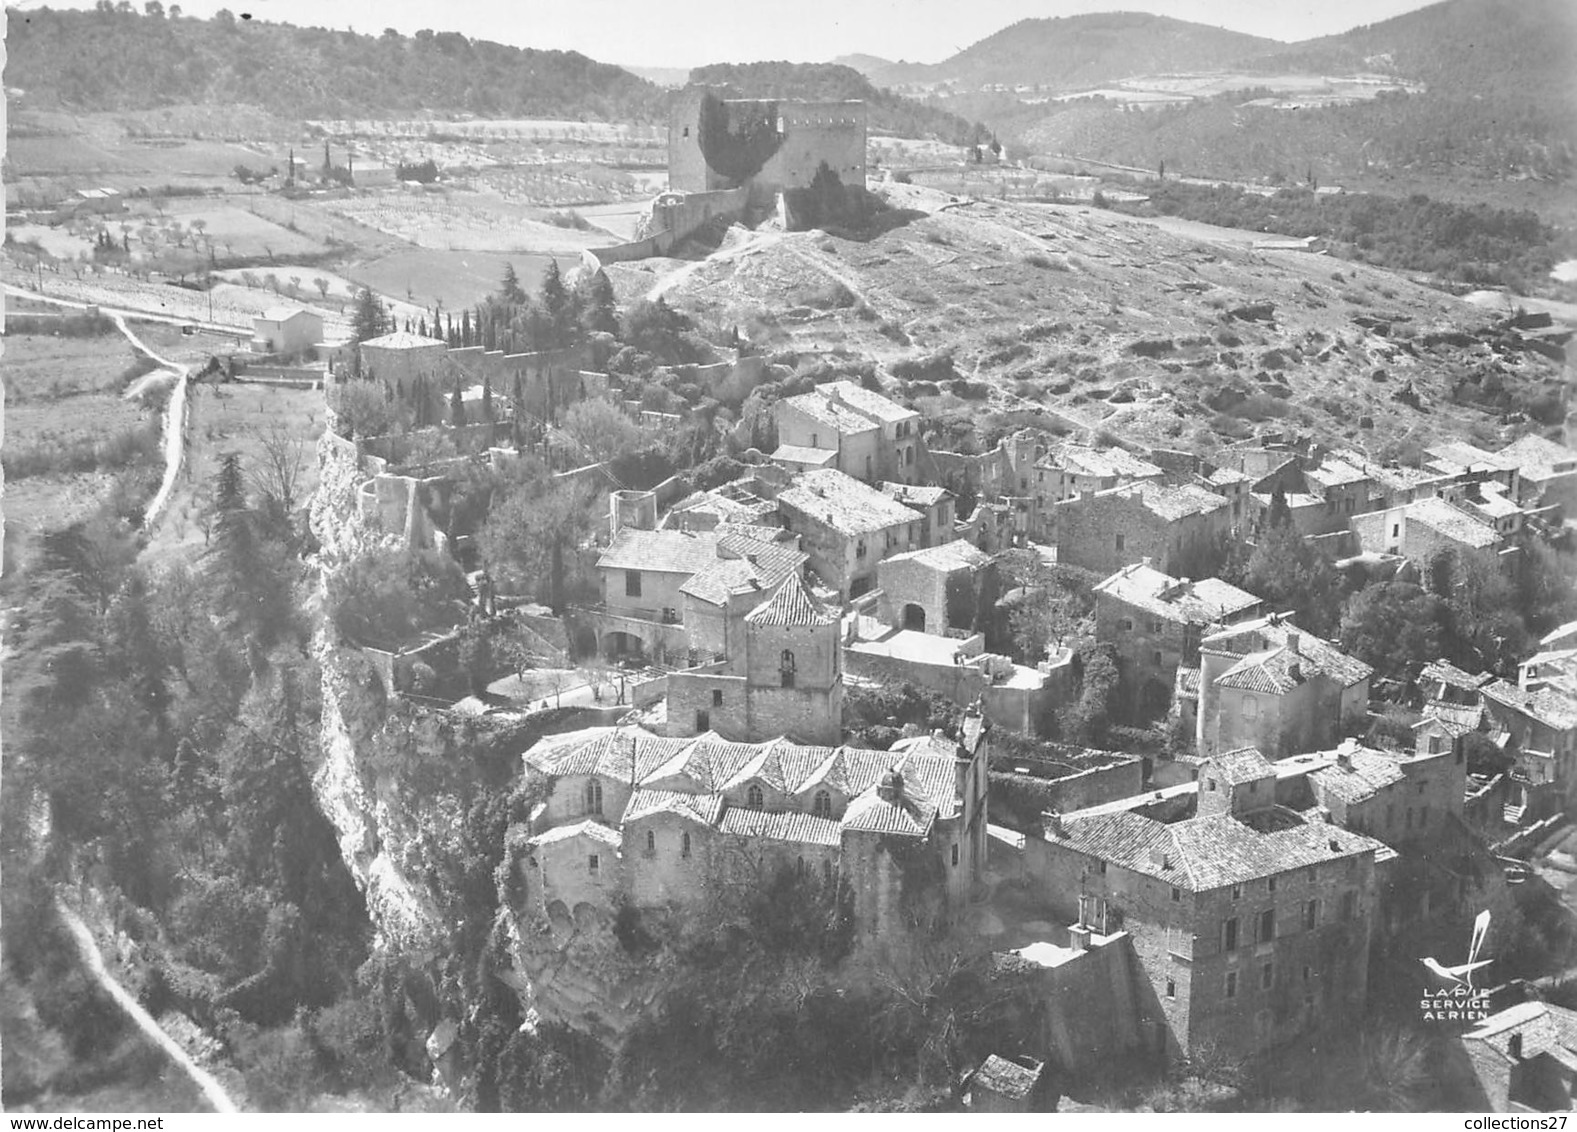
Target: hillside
[[887, 112], [1500, 79], [123, 61], [1164, 333], [1081, 51]]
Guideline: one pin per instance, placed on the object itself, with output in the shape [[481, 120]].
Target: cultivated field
[[463, 222], [456, 279], [239, 232]]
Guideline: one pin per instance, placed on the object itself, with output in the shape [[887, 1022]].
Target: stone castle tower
[[794, 667]]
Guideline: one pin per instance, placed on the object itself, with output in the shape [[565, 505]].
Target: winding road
[[213, 1092], [175, 418]]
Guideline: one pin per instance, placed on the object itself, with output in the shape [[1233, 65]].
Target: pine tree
[[599, 310], [556, 302], [1280, 513], [465, 327], [326, 164], [456, 407]]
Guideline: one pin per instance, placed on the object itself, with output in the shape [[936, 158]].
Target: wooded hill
[[117, 60], [828, 82]]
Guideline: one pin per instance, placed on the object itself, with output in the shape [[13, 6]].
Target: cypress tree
[[487, 397], [465, 327], [456, 407]]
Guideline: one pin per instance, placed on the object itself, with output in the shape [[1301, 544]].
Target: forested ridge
[[114, 58]]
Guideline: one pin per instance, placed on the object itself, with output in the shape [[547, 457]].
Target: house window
[[859, 549], [1100, 867], [1125, 624], [1308, 972], [1311, 915], [1423, 817], [1237, 892], [1396, 529], [686, 131], [593, 796], [684, 845], [821, 805], [1267, 925], [1155, 658], [1171, 988], [1121, 540], [1267, 976], [1232, 984], [1270, 884], [1514, 1046], [1349, 905], [1177, 896], [786, 668], [594, 864], [632, 583], [1210, 785], [651, 841], [815, 440], [717, 697], [799, 867], [955, 856], [754, 798], [826, 873], [1229, 934], [703, 720], [1250, 708]]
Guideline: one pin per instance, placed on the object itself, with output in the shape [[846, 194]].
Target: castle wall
[[816, 132]]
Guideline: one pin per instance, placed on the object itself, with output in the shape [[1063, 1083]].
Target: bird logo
[[1462, 975]]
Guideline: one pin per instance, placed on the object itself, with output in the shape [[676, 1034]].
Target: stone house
[[1069, 471], [1233, 486], [1156, 623], [662, 822], [934, 503], [921, 589], [398, 359], [1541, 726], [1269, 685], [1521, 1059], [786, 679], [1251, 921], [667, 592], [1004, 1084], [1457, 460], [286, 330], [810, 133], [847, 527], [1546, 470], [1108, 530], [872, 437], [1394, 797]]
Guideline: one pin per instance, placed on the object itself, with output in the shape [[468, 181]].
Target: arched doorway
[[914, 617], [618, 645]]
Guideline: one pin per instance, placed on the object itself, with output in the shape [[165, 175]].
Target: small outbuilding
[[1005, 1084]]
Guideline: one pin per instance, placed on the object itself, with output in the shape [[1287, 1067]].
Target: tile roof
[[703, 808], [866, 401], [1173, 502], [844, 503], [1274, 631], [1245, 764], [803, 454], [1456, 719], [915, 494], [592, 829], [1221, 477], [402, 340], [1187, 683], [1549, 706], [1082, 460], [820, 407], [1201, 602], [805, 828], [702, 767], [1005, 1078], [792, 605], [1450, 675], [1365, 773], [1274, 672], [726, 509], [1560, 634], [283, 314], [1465, 455], [743, 565], [949, 556], [1204, 853], [662, 552], [1333, 472]]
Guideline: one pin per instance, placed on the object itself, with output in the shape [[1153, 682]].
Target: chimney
[[1344, 758], [1149, 563], [1295, 672], [1053, 822], [1160, 857], [1292, 642], [891, 787], [1336, 846]]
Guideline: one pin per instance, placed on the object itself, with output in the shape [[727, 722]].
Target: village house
[[1269, 685], [1521, 1059], [1233, 486], [1546, 470], [1542, 730], [865, 435], [1067, 472], [935, 504], [1420, 530], [286, 330], [398, 359], [1171, 525], [931, 590], [783, 677], [1251, 921], [1459, 460], [1156, 623], [847, 528], [660, 822]]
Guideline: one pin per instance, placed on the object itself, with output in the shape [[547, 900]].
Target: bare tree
[[277, 473], [322, 285]]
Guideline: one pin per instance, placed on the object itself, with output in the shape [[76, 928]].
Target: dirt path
[[213, 1092], [174, 421], [175, 413]]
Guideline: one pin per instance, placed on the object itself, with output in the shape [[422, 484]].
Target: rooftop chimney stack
[[1292, 642]]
